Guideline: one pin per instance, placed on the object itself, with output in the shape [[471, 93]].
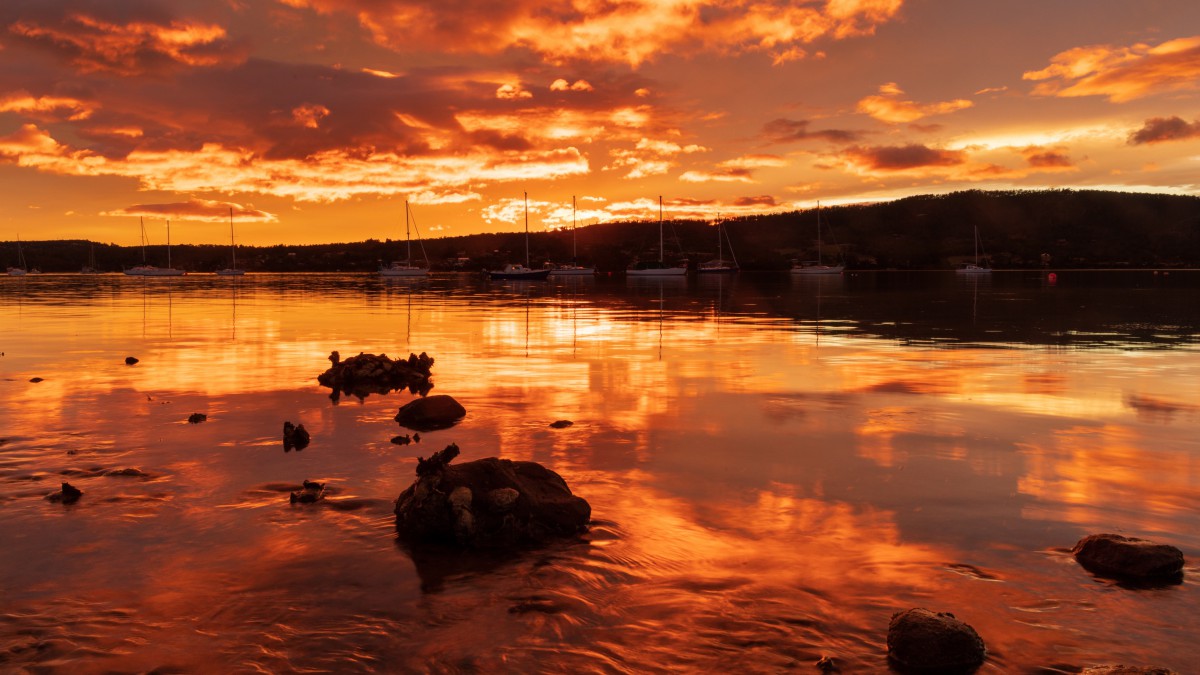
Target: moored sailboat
[[233, 270], [146, 270], [719, 265], [574, 269], [20, 270], [817, 266], [975, 267], [659, 268], [406, 268], [517, 271]]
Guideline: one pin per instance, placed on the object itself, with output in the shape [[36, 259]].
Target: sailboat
[[719, 265], [232, 271], [406, 268], [90, 267], [817, 267], [974, 268], [574, 269], [517, 271], [659, 268], [145, 270], [19, 270]]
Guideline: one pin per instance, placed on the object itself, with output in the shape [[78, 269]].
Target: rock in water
[[919, 640], [309, 492], [488, 503], [130, 360], [1127, 670], [1129, 558], [294, 437], [561, 424], [68, 495], [196, 418], [431, 413], [368, 374]]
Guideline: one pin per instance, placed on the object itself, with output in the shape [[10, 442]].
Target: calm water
[[774, 465]]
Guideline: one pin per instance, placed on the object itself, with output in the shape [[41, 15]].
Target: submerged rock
[[294, 437], [196, 418], [487, 503], [367, 374], [922, 641], [1129, 558], [68, 495], [130, 360], [561, 424], [430, 413], [310, 492]]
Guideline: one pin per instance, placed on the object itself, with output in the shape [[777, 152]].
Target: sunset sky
[[314, 120]]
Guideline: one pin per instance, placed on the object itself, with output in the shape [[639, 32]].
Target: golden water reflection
[[771, 482]]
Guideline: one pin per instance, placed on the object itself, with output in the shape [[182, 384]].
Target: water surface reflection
[[775, 465]]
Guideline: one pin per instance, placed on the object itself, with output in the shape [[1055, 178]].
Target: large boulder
[[1129, 558], [367, 374], [487, 503], [430, 413], [921, 641]]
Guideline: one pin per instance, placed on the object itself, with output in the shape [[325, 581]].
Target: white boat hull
[[145, 271], [573, 272], [657, 272], [519, 273], [403, 272], [973, 269], [819, 269], [231, 272], [16, 272]]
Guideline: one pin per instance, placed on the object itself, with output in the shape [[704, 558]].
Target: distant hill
[[1018, 229]]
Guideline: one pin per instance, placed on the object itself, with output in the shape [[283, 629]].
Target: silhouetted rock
[[487, 503], [294, 437], [35, 380], [921, 641], [430, 413], [196, 418], [1129, 558], [826, 664], [310, 492], [1127, 670], [367, 374], [130, 360], [561, 424], [401, 440], [68, 495]]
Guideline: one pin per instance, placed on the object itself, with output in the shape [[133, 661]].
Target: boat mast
[[407, 236], [574, 252], [168, 243], [818, 233], [232, 247], [660, 231], [526, 229], [142, 222]]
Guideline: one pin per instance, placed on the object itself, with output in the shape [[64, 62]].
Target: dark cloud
[[1162, 129], [786, 131], [901, 157], [1042, 158], [760, 200], [195, 209]]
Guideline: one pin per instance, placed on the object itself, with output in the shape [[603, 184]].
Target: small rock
[[196, 418], [826, 664], [925, 641], [130, 360], [310, 492], [294, 437], [561, 424], [1129, 558], [69, 494], [416, 438], [430, 413], [35, 380], [401, 440]]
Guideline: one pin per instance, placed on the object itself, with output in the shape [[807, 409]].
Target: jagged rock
[[310, 492], [401, 440], [294, 437], [922, 641], [367, 374], [68, 495], [1127, 670], [1129, 558], [430, 413], [196, 418], [130, 360], [561, 424], [487, 503], [827, 664]]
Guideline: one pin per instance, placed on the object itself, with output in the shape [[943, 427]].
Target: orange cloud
[[562, 85], [650, 157], [1121, 73], [46, 107], [126, 45], [309, 115], [738, 170], [888, 107], [1047, 158], [631, 32], [1162, 129], [328, 176]]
